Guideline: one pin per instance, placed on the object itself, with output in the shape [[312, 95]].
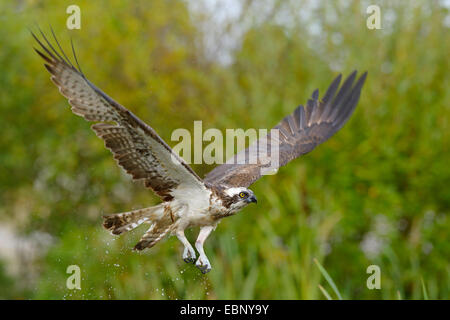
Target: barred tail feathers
[[118, 223]]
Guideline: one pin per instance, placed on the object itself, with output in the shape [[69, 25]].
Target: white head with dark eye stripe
[[238, 198]]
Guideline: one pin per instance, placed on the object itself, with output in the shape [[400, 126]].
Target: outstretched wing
[[299, 133], [136, 147]]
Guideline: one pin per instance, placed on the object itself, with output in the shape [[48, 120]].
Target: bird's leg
[[202, 261], [188, 253]]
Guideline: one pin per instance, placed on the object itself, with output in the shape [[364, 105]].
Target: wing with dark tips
[[298, 133], [136, 147]]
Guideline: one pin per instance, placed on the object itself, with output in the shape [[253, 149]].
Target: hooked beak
[[252, 199]]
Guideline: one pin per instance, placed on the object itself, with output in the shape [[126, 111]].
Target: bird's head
[[239, 197]]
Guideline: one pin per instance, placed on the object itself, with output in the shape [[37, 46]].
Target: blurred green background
[[376, 193]]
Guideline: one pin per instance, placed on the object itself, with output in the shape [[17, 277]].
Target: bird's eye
[[243, 195]]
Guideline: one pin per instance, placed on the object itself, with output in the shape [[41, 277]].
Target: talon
[[189, 255], [203, 266], [204, 271], [189, 260]]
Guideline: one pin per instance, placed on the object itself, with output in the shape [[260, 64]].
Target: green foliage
[[376, 193]]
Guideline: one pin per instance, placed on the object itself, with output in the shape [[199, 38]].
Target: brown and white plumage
[[136, 147], [299, 133], [188, 200]]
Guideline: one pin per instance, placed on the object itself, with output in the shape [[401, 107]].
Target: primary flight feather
[[189, 201]]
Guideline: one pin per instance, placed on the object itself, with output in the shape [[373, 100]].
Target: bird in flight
[[187, 200]]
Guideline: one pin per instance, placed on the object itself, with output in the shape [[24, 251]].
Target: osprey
[[187, 200]]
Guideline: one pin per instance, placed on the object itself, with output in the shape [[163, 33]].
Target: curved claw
[[203, 264], [205, 270], [189, 260], [189, 255]]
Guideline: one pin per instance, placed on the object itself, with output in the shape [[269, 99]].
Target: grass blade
[[424, 289], [325, 293], [328, 278]]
